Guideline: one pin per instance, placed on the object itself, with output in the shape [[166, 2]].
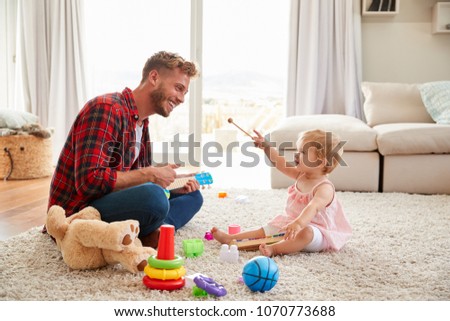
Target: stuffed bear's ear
[[56, 222], [87, 213]]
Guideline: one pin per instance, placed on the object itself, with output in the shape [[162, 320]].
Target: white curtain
[[324, 58], [50, 62], [8, 14]]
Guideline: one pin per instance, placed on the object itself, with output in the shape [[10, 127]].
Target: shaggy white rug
[[400, 251]]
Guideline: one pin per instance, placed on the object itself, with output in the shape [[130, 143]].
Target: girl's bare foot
[[221, 236], [266, 250]]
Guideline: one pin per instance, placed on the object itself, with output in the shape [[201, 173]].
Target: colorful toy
[[193, 247], [167, 192], [164, 274], [204, 179], [197, 292], [165, 271], [166, 243], [209, 236], [229, 254], [253, 244], [176, 263], [222, 194], [87, 242], [260, 274], [210, 286], [169, 285], [234, 228], [189, 279]]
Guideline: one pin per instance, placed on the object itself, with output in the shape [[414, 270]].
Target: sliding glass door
[[121, 36], [241, 46], [245, 54]]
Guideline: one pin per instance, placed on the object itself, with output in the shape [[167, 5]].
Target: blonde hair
[[167, 60], [326, 144]]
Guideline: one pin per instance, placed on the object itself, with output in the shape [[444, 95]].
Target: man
[[106, 160]]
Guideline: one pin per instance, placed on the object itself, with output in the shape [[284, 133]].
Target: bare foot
[[221, 236], [266, 250], [151, 239]]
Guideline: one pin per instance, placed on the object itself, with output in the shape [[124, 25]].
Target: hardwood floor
[[23, 205]]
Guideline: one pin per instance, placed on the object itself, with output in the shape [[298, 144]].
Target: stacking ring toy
[[168, 285], [176, 263], [163, 274], [209, 285]]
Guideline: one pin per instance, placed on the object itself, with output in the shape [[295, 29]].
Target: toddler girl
[[313, 220]]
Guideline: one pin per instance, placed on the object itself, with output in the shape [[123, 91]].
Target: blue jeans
[[148, 204]]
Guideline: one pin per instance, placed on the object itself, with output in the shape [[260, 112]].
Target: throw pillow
[[387, 103], [436, 98]]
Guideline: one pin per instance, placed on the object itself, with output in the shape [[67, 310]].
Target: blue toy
[[260, 274]]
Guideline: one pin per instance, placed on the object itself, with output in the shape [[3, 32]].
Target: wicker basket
[[25, 157]]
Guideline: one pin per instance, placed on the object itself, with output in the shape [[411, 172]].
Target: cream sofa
[[399, 148]]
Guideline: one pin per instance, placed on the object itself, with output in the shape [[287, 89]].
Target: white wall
[[402, 48]]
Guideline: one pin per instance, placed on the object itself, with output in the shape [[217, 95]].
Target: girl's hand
[[258, 139], [291, 230]]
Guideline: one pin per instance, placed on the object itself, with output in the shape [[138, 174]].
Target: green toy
[[193, 247]]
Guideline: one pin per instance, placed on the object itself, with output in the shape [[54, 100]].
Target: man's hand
[[191, 186], [165, 175]]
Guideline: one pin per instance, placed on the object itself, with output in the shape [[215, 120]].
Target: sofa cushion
[[436, 98], [386, 103], [356, 133], [413, 138]]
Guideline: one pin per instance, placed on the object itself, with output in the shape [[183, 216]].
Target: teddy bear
[[87, 242]]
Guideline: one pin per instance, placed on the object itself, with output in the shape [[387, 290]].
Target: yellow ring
[[163, 274], [177, 262]]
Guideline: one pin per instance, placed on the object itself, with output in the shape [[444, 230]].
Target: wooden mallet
[[230, 120]]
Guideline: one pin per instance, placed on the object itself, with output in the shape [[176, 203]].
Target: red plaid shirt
[[100, 143]]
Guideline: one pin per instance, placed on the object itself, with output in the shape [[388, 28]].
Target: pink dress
[[331, 221]]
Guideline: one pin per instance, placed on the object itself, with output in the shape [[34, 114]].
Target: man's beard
[[158, 98]]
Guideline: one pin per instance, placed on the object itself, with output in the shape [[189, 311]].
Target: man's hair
[[167, 60], [326, 144]]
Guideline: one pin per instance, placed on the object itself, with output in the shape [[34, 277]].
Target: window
[[244, 50], [122, 34], [244, 63]]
